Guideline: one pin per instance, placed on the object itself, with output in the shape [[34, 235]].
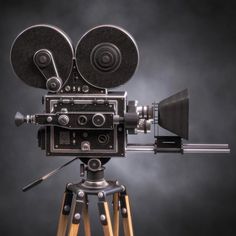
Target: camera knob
[[94, 165], [98, 120], [42, 58], [63, 120], [54, 84], [19, 119]]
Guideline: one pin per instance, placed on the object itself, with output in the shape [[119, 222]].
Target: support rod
[[186, 148]]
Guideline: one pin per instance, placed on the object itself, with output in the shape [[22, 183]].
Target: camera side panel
[[91, 125]]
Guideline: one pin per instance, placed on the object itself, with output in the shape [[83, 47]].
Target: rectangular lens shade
[[173, 114]]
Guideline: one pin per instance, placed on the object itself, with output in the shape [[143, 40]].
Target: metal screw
[[77, 216], [63, 120], [102, 217], [53, 85], [67, 208], [81, 194], [67, 88], [100, 194], [124, 210]]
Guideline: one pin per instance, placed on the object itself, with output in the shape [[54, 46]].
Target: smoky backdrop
[[183, 44]]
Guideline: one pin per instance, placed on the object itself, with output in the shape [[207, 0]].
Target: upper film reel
[[107, 56], [37, 47]]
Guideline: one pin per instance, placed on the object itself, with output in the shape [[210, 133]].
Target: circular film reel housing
[[107, 56], [32, 40]]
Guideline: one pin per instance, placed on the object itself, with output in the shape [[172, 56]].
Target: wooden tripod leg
[[105, 218], [126, 215], [74, 229], [64, 213], [86, 220], [76, 214], [116, 214]]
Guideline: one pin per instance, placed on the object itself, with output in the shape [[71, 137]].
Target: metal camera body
[[81, 116], [83, 124]]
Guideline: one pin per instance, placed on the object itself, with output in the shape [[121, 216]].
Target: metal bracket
[[67, 202], [168, 144], [102, 212], [80, 203], [123, 205]]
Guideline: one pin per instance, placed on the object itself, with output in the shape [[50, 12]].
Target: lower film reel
[[47, 42], [107, 56]]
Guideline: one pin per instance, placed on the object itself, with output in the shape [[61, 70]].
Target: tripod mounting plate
[[111, 188]]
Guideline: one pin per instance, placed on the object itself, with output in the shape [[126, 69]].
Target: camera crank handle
[[40, 180]]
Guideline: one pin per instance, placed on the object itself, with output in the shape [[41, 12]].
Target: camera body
[[84, 125], [87, 121], [81, 116]]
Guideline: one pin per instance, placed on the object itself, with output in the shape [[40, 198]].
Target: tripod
[[75, 204]]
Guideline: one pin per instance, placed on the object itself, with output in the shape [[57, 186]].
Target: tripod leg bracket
[[67, 202], [77, 214], [102, 212], [123, 205]]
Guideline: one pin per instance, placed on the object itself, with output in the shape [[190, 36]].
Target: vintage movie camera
[[82, 117]]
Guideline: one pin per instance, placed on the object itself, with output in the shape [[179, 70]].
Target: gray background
[[183, 44]]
